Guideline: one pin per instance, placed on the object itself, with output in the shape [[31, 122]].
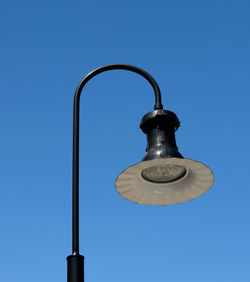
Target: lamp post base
[[75, 268]]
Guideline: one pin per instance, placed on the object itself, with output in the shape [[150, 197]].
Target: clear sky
[[198, 52]]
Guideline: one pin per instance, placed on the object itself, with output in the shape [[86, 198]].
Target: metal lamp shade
[[133, 186]]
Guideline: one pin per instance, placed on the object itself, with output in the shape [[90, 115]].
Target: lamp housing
[[163, 177], [160, 126]]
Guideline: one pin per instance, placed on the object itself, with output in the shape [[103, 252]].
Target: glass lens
[[163, 173]]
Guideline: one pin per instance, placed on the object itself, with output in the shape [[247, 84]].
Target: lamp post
[[163, 176]]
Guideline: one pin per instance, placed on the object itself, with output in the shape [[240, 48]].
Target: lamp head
[[163, 177]]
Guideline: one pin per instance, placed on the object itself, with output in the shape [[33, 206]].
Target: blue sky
[[198, 52]]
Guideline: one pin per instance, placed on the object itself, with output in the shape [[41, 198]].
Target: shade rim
[[132, 186]]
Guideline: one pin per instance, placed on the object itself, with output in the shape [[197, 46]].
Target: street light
[[163, 177]]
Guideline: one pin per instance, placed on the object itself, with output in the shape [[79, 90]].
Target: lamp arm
[[75, 188]]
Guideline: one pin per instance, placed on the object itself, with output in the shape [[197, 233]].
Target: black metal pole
[[75, 261]]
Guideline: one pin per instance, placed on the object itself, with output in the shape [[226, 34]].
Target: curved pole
[[75, 199]]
